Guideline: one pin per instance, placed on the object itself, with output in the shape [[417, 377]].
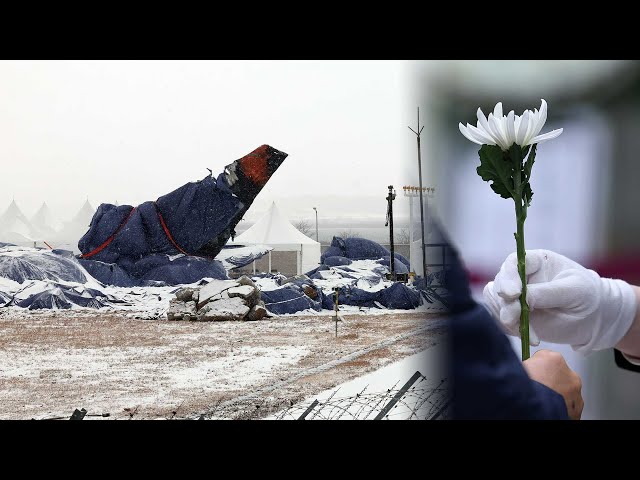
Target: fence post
[[398, 396]]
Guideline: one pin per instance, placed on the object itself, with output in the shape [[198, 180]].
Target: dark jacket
[[489, 381]]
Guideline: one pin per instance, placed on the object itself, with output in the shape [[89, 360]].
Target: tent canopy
[[45, 221], [15, 228], [275, 230]]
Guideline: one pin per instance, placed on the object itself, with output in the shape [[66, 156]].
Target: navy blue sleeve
[[489, 381]]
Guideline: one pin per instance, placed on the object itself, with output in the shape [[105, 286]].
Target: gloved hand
[[568, 303]]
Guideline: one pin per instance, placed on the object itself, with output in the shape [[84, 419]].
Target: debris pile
[[218, 300]]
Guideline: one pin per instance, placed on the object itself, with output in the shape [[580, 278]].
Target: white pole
[[269, 261], [411, 231], [254, 267], [317, 240]]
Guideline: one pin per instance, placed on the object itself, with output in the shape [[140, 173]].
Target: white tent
[[275, 230], [45, 221], [73, 230], [84, 215], [15, 228]]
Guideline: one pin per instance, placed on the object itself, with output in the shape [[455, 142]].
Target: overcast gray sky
[[133, 130]]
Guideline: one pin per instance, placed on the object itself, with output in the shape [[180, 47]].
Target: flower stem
[[521, 216], [524, 307]]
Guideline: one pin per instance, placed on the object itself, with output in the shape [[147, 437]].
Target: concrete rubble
[[218, 300]]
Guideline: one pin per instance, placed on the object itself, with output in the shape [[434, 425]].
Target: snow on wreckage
[[171, 241], [356, 267], [176, 238], [180, 239]]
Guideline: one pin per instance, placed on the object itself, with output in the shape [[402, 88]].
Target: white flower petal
[[497, 111], [484, 125], [496, 129], [480, 135], [547, 136], [511, 130], [466, 133], [543, 112], [541, 119], [522, 128], [531, 129]]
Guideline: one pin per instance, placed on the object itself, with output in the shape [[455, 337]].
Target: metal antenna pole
[[316, 223], [424, 256], [392, 262]]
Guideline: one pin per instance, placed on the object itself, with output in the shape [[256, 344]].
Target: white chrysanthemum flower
[[504, 131]]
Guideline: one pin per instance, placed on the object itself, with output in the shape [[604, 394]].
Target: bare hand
[[550, 369]]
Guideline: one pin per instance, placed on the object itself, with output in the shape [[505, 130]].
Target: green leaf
[[527, 194], [495, 167], [526, 172], [529, 163]]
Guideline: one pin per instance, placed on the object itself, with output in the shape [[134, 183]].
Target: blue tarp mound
[[336, 261], [313, 274], [196, 219], [399, 266], [185, 270], [172, 270], [41, 274], [355, 249], [63, 297], [359, 249], [279, 278], [331, 252], [306, 285], [358, 297], [4, 298], [288, 299], [236, 256], [327, 301], [403, 259], [40, 265], [399, 296], [109, 273]]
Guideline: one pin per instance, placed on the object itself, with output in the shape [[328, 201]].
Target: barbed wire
[[418, 399], [422, 400]]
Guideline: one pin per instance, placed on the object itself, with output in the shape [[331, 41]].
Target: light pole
[[317, 240], [390, 198], [424, 256]]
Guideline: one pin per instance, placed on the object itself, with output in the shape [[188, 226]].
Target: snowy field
[[125, 359], [114, 363]]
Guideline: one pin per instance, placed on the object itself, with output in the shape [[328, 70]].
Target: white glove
[[568, 303]]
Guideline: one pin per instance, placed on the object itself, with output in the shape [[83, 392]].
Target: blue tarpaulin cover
[[356, 248], [340, 254], [194, 221]]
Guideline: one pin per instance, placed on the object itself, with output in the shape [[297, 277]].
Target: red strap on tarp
[[110, 239], [167, 232]]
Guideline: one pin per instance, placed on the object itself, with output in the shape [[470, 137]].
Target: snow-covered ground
[[55, 362]]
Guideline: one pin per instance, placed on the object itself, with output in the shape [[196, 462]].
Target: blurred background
[[586, 195]]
